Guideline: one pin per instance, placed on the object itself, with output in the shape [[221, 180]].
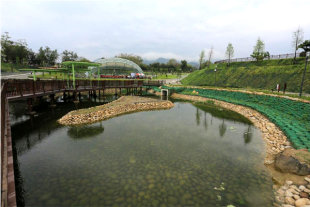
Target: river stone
[[304, 195], [289, 182], [307, 179], [296, 197], [293, 161], [288, 193], [301, 202], [289, 200]]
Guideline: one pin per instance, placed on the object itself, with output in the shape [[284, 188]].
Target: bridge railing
[[249, 59], [22, 87]]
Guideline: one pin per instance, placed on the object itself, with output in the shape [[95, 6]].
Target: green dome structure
[[117, 66]]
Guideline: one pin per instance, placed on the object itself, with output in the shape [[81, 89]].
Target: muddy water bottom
[[190, 155]]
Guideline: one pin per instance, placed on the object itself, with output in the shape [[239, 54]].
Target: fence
[[249, 59]]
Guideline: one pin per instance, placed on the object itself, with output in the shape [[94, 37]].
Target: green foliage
[[259, 75], [305, 46], [259, 51], [229, 51], [47, 57], [201, 59], [69, 56], [134, 58], [14, 52], [68, 64], [10, 67]]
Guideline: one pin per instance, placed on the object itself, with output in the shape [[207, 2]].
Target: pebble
[[289, 200], [301, 202], [289, 182], [307, 179], [288, 193], [296, 197], [304, 195]]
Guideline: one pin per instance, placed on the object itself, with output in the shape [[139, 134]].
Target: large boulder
[[293, 161]]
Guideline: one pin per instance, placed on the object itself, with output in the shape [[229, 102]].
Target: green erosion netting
[[292, 117]]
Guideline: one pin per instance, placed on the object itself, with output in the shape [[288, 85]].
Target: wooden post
[[73, 76], [34, 75]]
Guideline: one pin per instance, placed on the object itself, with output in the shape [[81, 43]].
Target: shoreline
[[123, 105], [274, 139], [289, 189]]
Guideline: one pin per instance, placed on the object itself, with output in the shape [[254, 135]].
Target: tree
[[210, 55], [69, 56], [201, 59], [6, 45], [155, 67], [47, 56], [259, 50], [297, 40], [229, 52], [172, 65], [83, 59], [305, 46], [134, 58], [14, 52], [184, 65]]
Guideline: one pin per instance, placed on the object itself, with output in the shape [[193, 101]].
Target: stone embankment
[[125, 104]]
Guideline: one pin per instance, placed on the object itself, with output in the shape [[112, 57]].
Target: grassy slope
[[10, 67], [262, 75]]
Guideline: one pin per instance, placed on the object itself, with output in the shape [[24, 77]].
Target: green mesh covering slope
[[292, 117]]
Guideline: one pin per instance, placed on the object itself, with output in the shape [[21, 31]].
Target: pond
[[190, 155]]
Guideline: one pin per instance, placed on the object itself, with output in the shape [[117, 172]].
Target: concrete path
[[175, 81], [15, 75]]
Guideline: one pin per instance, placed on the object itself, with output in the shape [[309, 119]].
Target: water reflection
[[88, 131], [205, 123], [198, 114], [222, 128], [248, 135]]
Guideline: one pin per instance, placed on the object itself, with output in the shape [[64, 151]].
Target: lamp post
[[304, 73], [215, 76]]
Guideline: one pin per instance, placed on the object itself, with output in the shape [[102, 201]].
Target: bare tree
[[210, 55], [229, 52], [298, 37], [201, 59]]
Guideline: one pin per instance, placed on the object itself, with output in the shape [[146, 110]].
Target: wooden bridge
[[28, 89]]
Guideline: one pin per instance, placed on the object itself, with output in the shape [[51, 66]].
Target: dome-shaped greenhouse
[[117, 66]]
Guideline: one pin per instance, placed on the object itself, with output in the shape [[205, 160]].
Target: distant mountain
[[165, 60], [158, 60], [194, 64]]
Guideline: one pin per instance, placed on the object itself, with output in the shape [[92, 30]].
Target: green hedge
[[292, 117]]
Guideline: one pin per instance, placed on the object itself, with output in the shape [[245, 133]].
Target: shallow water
[[186, 156]]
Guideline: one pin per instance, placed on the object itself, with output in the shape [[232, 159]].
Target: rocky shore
[[290, 195], [125, 104]]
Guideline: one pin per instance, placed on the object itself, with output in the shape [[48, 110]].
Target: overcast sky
[[162, 28]]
